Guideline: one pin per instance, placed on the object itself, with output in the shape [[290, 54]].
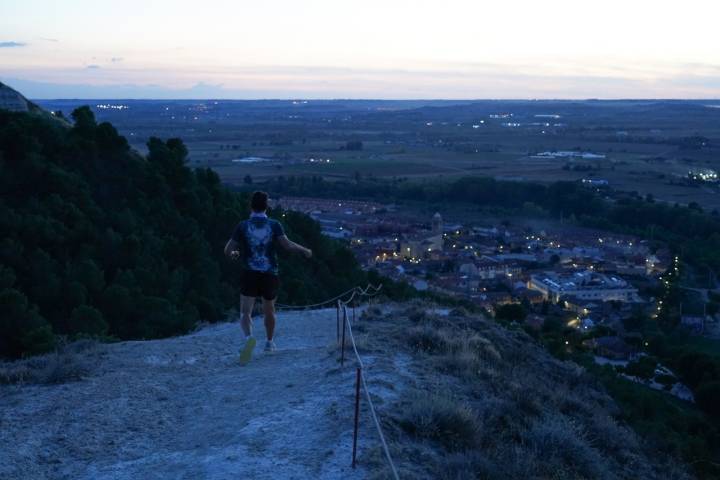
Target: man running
[[254, 241]]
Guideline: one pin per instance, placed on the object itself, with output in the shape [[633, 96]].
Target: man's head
[[259, 202]]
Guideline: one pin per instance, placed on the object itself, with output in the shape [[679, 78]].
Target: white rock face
[[12, 100]]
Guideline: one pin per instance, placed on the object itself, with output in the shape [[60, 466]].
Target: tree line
[[96, 239]]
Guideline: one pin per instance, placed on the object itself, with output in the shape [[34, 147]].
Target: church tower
[[437, 224]]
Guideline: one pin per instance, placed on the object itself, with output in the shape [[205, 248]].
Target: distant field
[[648, 146]]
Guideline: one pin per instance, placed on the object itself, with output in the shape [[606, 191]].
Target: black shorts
[[260, 284]]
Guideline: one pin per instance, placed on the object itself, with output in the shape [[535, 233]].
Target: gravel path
[[183, 408]]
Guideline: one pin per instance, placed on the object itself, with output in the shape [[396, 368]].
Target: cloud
[[54, 40], [12, 44], [116, 59], [93, 67]]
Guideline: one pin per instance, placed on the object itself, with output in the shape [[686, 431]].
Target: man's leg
[[246, 308], [269, 313]]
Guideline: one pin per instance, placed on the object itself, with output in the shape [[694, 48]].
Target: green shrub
[[666, 380], [707, 397], [644, 368], [88, 320], [511, 312], [22, 329]]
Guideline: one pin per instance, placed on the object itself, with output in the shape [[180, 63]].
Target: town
[[596, 282]]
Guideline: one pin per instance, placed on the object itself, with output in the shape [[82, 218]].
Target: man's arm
[[231, 249], [291, 246]]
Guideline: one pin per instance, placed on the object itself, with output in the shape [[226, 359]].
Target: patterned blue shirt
[[256, 237]]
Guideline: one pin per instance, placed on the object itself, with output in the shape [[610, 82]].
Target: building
[[532, 296], [611, 347], [535, 322], [469, 269], [339, 233], [323, 205], [488, 268], [653, 265], [437, 224], [703, 175], [587, 285], [418, 245], [485, 232], [595, 182], [490, 300], [696, 324]]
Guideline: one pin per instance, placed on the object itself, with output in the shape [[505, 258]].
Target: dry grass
[[428, 339], [490, 403], [69, 362], [372, 312], [452, 423], [419, 311]]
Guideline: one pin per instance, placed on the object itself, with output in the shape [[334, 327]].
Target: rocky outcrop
[[13, 101]]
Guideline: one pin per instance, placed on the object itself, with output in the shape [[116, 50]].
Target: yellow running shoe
[[246, 352]]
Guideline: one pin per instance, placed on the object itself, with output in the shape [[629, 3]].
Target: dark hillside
[[476, 400], [96, 239]]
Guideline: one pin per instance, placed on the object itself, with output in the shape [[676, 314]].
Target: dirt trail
[[183, 408]]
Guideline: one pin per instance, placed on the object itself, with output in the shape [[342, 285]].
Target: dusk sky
[[454, 49]]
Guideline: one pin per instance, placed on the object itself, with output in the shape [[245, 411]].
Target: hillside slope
[[184, 408], [459, 397], [476, 400]]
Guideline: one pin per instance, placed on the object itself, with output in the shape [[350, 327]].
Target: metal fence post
[[342, 344], [337, 331], [357, 415]]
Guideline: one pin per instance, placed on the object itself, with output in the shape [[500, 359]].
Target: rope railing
[[365, 292], [361, 380], [341, 305]]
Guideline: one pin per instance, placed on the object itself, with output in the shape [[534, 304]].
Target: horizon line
[[380, 99]]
